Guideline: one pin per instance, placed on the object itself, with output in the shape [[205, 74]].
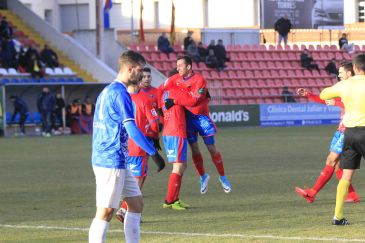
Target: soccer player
[[174, 139], [352, 94], [113, 123], [199, 122], [345, 71], [147, 88], [146, 121]]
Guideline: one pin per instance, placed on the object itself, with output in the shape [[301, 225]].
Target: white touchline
[[273, 237]]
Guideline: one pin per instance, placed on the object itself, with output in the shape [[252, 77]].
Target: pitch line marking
[[273, 237]]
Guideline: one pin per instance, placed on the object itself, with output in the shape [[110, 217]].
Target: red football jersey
[[174, 118], [151, 93], [146, 120], [195, 84]]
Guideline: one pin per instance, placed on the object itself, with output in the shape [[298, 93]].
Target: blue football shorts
[[337, 142], [202, 125]]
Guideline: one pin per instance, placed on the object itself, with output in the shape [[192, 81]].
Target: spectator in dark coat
[[331, 67], [49, 57], [202, 50], [8, 53], [288, 97], [19, 107], [211, 46], [193, 52], [188, 40], [46, 105], [212, 61], [22, 61], [306, 61], [6, 31], [57, 121], [220, 52], [283, 26], [163, 44]]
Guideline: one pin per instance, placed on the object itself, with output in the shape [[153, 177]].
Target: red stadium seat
[[261, 83], [240, 74], [252, 83]]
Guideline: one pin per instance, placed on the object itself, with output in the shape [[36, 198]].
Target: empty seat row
[[66, 71]]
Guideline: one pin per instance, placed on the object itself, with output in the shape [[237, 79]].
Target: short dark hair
[[359, 62], [147, 69], [13, 97], [131, 57], [186, 58], [347, 65]]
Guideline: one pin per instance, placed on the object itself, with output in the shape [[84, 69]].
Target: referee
[[352, 93]]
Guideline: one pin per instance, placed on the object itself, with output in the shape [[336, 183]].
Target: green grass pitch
[[47, 192]]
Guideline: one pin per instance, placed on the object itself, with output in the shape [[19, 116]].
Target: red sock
[[198, 163], [218, 162], [177, 192], [323, 178], [173, 185], [339, 175]]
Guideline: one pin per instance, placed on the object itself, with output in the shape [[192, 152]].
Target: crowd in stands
[[79, 114], [25, 59]]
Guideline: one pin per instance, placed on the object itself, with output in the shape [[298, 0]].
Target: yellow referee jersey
[[352, 93]]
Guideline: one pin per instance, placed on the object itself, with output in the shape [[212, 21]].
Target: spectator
[[163, 44], [19, 107], [58, 113], [49, 57], [46, 106], [212, 61], [331, 67], [34, 66], [211, 46], [283, 26], [344, 44], [203, 52], [193, 52], [306, 61], [88, 107], [287, 95], [73, 116], [22, 61], [8, 53], [6, 31], [188, 40], [220, 52]]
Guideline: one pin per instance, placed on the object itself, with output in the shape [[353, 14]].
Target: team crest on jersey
[[152, 96], [153, 112]]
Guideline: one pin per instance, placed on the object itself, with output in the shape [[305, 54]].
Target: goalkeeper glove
[[159, 161], [169, 103]]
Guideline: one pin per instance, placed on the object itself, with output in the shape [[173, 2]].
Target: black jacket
[[283, 26]]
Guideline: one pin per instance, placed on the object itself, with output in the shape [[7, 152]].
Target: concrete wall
[[68, 45]]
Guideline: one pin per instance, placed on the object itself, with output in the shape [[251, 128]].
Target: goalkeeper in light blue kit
[[113, 123]]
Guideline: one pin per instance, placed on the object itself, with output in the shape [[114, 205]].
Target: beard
[[135, 79]]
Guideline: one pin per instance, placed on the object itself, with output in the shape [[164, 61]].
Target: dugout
[[30, 92]]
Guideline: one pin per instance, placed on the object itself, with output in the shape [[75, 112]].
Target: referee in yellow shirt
[[352, 93]]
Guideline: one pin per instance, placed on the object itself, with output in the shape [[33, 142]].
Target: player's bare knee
[[332, 159], [105, 214], [135, 204], [194, 148], [212, 149]]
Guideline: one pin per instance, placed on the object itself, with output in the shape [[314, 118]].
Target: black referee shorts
[[353, 148]]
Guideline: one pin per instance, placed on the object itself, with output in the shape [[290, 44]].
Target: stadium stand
[[26, 36], [257, 73]]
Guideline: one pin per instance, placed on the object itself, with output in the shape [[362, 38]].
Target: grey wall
[[231, 36]]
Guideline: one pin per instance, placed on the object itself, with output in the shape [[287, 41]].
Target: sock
[[340, 197], [177, 192], [339, 175], [132, 227], [97, 231], [198, 163], [218, 162], [323, 178], [172, 187]]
